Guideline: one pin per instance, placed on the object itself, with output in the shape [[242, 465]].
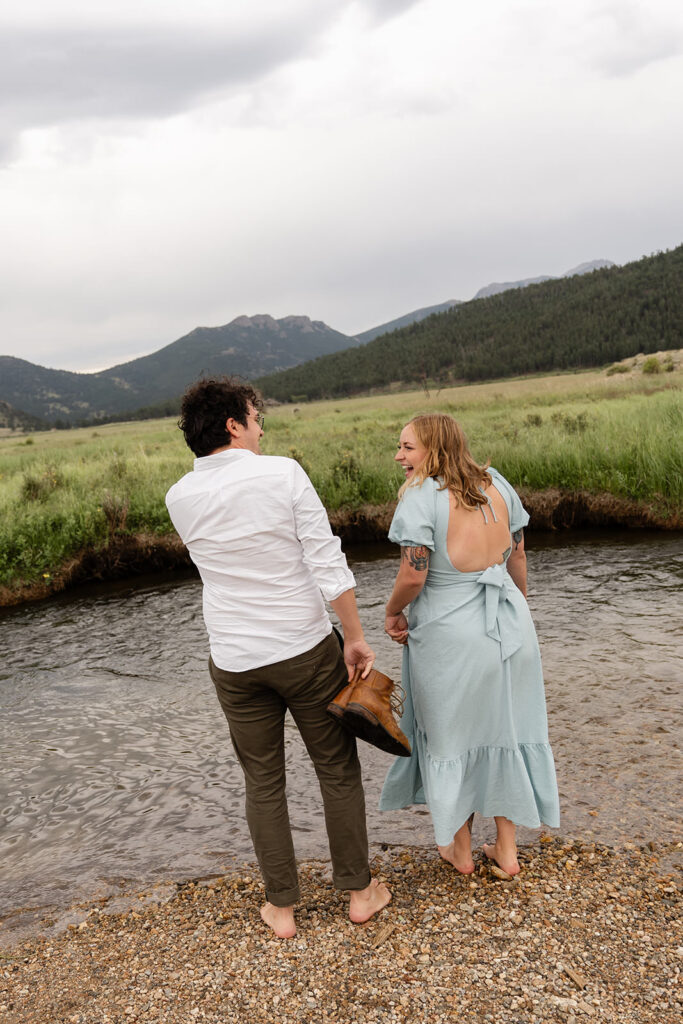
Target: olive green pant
[[255, 703]]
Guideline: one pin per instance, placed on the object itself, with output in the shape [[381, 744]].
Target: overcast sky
[[165, 165]]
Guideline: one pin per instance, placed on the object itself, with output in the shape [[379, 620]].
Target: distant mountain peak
[[303, 323], [260, 321], [263, 321], [588, 268], [496, 287]]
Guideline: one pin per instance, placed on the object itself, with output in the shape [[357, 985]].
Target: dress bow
[[501, 617]]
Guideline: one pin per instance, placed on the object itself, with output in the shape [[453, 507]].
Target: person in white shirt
[[260, 538]]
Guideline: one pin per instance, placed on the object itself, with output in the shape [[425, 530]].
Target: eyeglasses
[[260, 419]]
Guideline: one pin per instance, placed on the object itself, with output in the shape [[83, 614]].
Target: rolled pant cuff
[[284, 898], [359, 881]]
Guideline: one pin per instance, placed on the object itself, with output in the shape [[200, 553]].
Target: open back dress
[[475, 702]]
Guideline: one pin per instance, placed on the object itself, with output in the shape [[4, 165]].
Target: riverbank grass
[[65, 491]]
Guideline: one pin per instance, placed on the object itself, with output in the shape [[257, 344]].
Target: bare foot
[[460, 859], [459, 850], [366, 902], [505, 859], [280, 919]]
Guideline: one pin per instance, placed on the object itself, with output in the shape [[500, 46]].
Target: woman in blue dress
[[475, 703]]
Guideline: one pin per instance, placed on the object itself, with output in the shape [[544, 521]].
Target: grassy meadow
[[64, 491]]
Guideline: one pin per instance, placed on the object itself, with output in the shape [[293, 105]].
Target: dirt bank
[[128, 555], [549, 510], [124, 556]]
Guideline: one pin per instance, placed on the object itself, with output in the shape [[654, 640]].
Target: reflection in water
[[116, 761]]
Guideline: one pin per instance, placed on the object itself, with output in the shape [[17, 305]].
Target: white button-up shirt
[[259, 535]]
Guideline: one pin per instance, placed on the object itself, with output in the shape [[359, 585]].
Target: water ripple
[[117, 761]]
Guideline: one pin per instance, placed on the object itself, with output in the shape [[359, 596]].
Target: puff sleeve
[[517, 514], [415, 517]]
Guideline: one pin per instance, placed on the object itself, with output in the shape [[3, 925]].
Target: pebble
[[603, 941]]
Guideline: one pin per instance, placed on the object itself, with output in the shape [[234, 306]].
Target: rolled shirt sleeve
[[322, 551]]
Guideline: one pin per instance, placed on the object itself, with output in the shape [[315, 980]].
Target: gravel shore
[[584, 932]]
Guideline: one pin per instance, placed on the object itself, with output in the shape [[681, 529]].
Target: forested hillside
[[404, 321], [568, 323], [15, 419]]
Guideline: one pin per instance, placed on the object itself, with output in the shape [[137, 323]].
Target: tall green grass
[[62, 492], [70, 491], [627, 446]]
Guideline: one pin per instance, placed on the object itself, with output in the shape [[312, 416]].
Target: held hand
[[358, 654], [396, 626]]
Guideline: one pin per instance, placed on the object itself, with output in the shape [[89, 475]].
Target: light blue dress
[[475, 702]]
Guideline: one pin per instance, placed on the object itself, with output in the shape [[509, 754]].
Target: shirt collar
[[221, 458]]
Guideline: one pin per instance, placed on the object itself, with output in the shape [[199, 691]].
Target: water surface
[[116, 761]]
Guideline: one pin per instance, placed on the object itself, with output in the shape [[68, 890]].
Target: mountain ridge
[[257, 346], [496, 287], [566, 323], [415, 316], [247, 346]]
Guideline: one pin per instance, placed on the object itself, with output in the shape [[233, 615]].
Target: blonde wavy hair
[[448, 460]]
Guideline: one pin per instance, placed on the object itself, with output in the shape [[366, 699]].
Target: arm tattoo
[[418, 558], [517, 537]]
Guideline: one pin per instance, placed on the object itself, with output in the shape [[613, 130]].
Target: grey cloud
[[383, 10], [635, 39], [620, 61], [50, 77]]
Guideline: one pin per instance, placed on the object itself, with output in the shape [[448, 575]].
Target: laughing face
[[411, 453]]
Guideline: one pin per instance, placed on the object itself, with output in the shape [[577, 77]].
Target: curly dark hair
[[208, 404]]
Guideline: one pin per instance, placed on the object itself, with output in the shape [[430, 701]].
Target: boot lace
[[397, 699]]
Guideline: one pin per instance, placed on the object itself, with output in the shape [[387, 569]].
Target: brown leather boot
[[366, 709]]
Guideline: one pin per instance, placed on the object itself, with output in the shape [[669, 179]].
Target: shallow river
[[116, 766]]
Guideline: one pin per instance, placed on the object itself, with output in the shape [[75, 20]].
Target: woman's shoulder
[[498, 478], [429, 484], [519, 517], [413, 522], [418, 492]]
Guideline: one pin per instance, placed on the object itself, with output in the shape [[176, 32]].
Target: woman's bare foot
[[459, 850], [280, 919], [366, 902], [460, 859], [505, 859]]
